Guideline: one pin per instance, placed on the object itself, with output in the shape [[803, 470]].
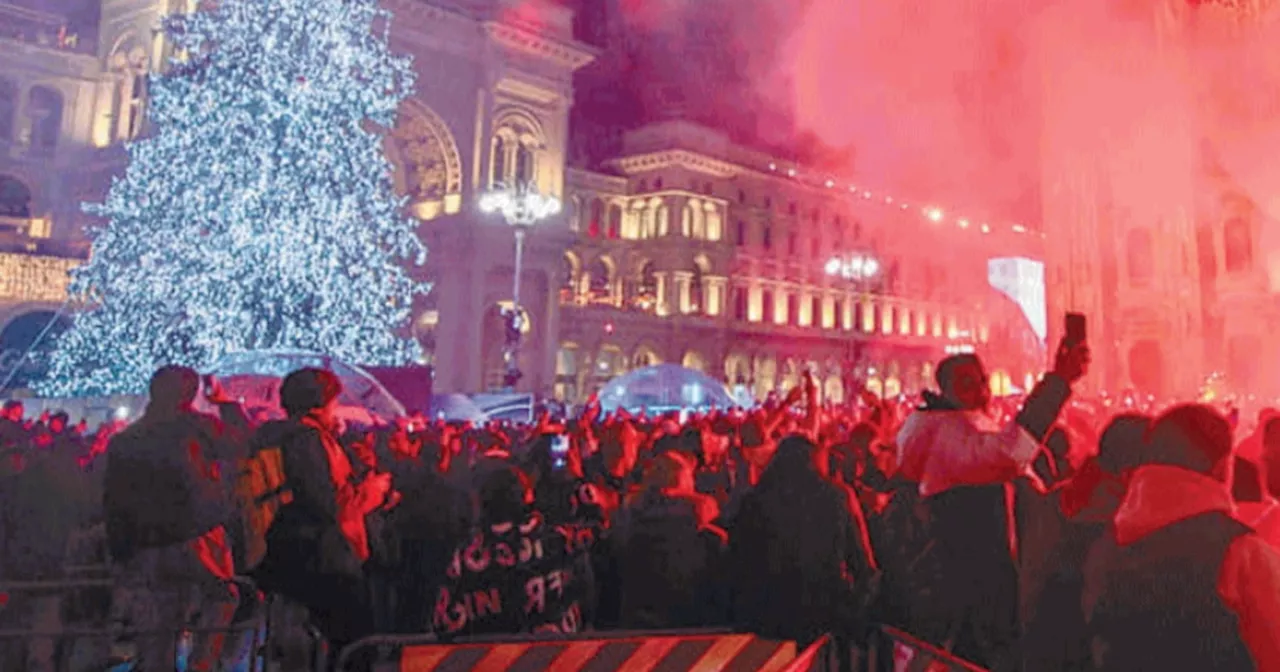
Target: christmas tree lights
[[260, 214]]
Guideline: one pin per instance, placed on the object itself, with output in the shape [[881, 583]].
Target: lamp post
[[522, 207], [857, 269]]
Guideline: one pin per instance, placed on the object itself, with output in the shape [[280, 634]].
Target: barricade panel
[[246, 635], [910, 654], [698, 651]]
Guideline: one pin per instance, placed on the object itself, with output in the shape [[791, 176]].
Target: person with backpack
[[166, 512], [317, 537]]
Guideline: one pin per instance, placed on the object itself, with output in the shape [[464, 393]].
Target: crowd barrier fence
[[888, 650], [898, 651], [252, 632], [671, 651]]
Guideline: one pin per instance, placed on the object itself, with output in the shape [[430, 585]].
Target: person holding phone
[[961, 461]]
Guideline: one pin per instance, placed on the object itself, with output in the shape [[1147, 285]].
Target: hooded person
[[1178, 582], [799, 568], [668, 550], [965, 465]]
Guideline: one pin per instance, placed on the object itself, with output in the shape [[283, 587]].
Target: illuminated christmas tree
[[259, 213]]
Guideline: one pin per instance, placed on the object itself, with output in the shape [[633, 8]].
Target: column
[[682, 295], [715, 294], [663, 300]]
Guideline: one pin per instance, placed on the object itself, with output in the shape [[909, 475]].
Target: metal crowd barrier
[[258, 622], [898, 651], [676, 651]]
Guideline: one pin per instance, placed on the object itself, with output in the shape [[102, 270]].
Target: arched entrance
[[15, 198], [26, 344], [694, 360]]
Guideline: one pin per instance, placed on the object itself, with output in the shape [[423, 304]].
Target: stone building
[[1149, 233], [680, 246], [695, 250]]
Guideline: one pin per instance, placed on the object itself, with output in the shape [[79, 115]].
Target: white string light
[[934, 214], [261, 213]]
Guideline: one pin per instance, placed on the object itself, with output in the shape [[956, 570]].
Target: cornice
[[52, 61], [570, 55], [676, 158], [586, 179]]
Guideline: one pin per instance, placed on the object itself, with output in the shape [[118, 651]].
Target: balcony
[[41, 29]]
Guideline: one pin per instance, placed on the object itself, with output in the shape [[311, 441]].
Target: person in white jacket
[[965, 464]]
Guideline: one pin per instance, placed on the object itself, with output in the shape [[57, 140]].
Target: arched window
[[8, 109], [1140, 256], [714, 225], [691, 223], [739, 304], [793, 309], [600, 280], [740, 234], [44, 106], [648, 280], [499, 160], [15, 198], [815, 312], [596, 215], [1237, 246], [768, 307], [568, 278], [615, 221], [661, 217]]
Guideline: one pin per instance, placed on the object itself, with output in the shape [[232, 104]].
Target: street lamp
[[522, 207], [856, 268]]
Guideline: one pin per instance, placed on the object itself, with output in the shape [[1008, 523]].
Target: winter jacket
[[941, 447], [1181, 523], [520, 578], [665, 564], [44, 505], [322, 531], [161, 485], [798, 562]]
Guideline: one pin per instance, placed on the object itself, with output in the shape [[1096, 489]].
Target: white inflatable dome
[[254, 378], [662, 388]]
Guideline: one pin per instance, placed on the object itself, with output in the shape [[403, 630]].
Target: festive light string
[[261, 214], [932, 213]]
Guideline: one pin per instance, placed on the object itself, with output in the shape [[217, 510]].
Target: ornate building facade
[[697, 251], [1149, 233], [683, 246]]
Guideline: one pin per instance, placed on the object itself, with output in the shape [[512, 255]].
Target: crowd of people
[[1030, 535]]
